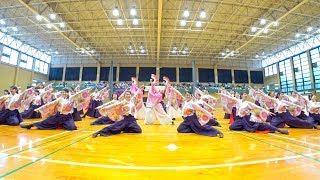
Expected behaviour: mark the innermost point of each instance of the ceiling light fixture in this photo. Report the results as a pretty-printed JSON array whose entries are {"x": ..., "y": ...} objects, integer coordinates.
[
  {"x": 253, "y": 29},
  {"x": 2, "y": 22},
  {"x": 275, "y": 23},
  {"x": 120, "y": 21},
  {"x": 14, "y": 29},
  {"x": 198, "y": 23},
  {"x": 297, "y": 35},
  {"x": 263, "y": 21},
  {"x": 39, "y": 18},
  {"x": 133, "y": 11},
  {"x": 53, "y": 16},
  {"x": 135, "y": 22},
  {"x": 265, "y": 31},
  {"x": 186, "y": 13},
  {"x": 115, "y": 12},
  {"x": 203, "y": 14},
  {"x": 183, "y": 22},
  {"x": 62, "y": 25}
]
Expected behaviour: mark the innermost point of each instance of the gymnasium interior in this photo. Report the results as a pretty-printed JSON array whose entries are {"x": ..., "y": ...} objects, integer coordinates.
[{"x": 214, "y": 45}]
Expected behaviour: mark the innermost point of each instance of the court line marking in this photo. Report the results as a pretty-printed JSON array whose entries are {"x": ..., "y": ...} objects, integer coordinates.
[
  {"x": 42, "y": 157},
  {"x": 274, "y": 145},
  {"x": 295, "y": 140},
  {"x": 18, "y": 146},
  {"x": 108, "y": 166}
]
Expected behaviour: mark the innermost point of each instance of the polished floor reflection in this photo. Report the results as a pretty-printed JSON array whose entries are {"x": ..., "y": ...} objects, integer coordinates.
[{"x": 158, "y": 153}]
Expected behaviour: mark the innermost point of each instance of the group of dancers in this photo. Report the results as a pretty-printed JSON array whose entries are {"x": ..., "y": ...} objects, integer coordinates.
[{"x": 62, "y": 109}]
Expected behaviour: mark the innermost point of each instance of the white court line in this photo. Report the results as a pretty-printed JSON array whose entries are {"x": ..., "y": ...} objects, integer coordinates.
[
  {"x": 295, "y": 140},
  {"x": 108, "y": 166},
  {"x": 15, "y": 147}
]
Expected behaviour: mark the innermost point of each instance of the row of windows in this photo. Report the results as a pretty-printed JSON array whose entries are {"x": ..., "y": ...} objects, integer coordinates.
[
  {"x": 270, "y": 70},
  {"x": 185, "y": 74},
  {"x": 11, "y": 56},
  {"x": 24, "y": 48},
  {"x": 297, "y": 71},
  {"x": 312, "y": 42}
]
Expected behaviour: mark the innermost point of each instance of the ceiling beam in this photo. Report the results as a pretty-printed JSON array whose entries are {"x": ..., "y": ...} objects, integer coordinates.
[
  {"x": 57, "y": 29},
  {"x": 159, "y": 29},
  {"x": 270, "y": 24}
]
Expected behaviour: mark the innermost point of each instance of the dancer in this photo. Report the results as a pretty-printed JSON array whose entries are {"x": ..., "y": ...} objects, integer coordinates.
[
  {"x": 58, "y": 113},
  {"x": 122, "y": 113},
  {"x": 195, "y": 119},
  {"x": 105, "y": 119},
  {"x": 252, "y": 118},
  {"x": 154, "y": 107},
  {"x": 9, "y": 115},
  {"x": 174, "y": 100}
]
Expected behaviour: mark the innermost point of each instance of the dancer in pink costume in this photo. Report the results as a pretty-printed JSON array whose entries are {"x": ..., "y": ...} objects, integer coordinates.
[
  {"x": 138, "y": 93},
  {"x": 154, "y": 108}
]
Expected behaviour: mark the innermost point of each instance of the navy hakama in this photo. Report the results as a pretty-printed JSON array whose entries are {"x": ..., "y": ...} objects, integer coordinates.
[
  {"x": 257, "y": 103},
  {"x": 102, "y": 120},
  {"x": 234, "y": 112},
  {"x": 271, "y": 116},
  {"x": 244, "y": 123},
  {"x": 56, "y": 121},
  {"x": 226, "y": 116},
  {"x": 291, "y": 121},
  {"x": 315, "y": 119},
  {"x": 8, "y": 117},
  {"x": 213, "y": 122},
  {"x": 76, "y": 115},
  {"x": 127, "y": 125},
  {"x": 192, "y": 125},
  {"x": 30, "y": 113},
  {"x": 92, "y": 111}
]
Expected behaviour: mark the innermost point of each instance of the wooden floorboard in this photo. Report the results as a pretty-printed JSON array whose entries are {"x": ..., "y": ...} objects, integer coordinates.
[{"x": 159, "y": 152}]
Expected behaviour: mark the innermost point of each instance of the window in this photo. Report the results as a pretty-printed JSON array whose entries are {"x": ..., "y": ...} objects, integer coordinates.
[
  {"x": 26, "y": 61},
  {"x": 9, "y": 55},
  {"x": 37, "y": 65},
  {"x": 40, "y": 66},
  {"x": 270, "y": 70},
  {"x": 293, "y": 50},
  {"x": 315, "y": 60},
  {"x": 301, "y": 72},
  {"x": 285, "y": 75}
]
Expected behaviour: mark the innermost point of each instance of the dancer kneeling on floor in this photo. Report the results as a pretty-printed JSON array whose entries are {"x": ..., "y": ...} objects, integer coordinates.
[
  {"x": 196, "y": 119},
  {"x": 123, "y": 114}
]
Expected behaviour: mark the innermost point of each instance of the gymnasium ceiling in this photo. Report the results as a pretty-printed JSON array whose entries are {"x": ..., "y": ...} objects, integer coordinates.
[{"x": 90, "y": 32}]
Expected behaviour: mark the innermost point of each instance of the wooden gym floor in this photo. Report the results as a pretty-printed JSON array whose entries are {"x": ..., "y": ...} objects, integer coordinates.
[{"x": 158, "y": 153}]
